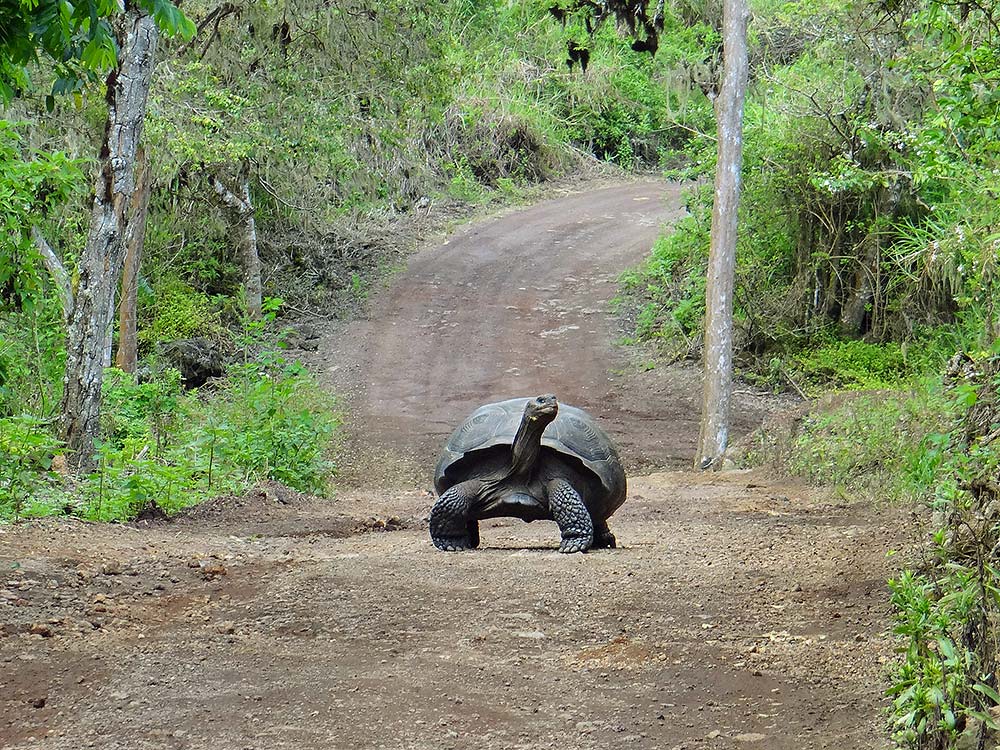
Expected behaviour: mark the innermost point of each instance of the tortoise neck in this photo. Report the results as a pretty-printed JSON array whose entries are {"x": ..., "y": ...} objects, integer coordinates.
[{"x": 527, "y": 443}]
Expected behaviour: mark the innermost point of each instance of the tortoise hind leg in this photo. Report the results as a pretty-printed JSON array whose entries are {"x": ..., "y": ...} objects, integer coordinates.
[
  {"x": 472, "y": 529},
  {"x": 569, "y": 511},
  {"x": 603, "y": 538},
  {"x": 452, "y": 526}
]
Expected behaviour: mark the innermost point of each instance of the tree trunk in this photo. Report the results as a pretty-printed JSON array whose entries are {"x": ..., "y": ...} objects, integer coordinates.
[
  {"x": 100, "y": 264},
  {"x": 722, "y": 255},
  {"x": 135, "y": 238},
  {"x": 240, "y": 207}
]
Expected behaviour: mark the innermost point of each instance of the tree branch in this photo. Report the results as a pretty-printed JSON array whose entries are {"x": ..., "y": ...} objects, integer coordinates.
[
  {"x": 57, "y": 270},
  {"x": 228, "y": 197}
]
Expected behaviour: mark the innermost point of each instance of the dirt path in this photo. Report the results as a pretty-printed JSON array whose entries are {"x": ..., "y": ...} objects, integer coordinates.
[
  {"x": 516, "y": 306},
  {"x": 740, "y": 612}
]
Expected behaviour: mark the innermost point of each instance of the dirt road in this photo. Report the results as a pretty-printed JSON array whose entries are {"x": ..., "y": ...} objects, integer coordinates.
[
  {"x": 739, "y": 612},
  {"x": 517, "y": 306}
]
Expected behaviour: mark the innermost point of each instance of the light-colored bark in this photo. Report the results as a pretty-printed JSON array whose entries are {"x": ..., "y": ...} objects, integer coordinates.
[
  {"x": 135, "y": 237},
  {"x": 58, "y": 272},
  {"x": 100, "y": 264},
  {"x": 718, "y": 350},
  {"x": 240, "y": 207}
]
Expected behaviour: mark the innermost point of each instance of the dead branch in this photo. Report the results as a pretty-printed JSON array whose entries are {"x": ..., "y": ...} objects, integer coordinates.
[{"x": 57, "y": 270}]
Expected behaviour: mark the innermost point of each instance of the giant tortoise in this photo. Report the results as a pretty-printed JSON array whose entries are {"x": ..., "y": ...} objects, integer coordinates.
[{"x": 532, "y": 459}]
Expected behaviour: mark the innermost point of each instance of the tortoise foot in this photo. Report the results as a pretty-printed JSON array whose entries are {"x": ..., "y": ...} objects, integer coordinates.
[
  {"x": 576, "y": 544},
  {"x": 572, "y": 516},
  {"x": 453, "y": 543},
  {"x": 451, "y": 527},
  {"x": 604, "y": 540}
]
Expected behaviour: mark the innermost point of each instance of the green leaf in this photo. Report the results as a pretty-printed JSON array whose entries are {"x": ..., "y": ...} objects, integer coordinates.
[{"x": 989, "y": 692}]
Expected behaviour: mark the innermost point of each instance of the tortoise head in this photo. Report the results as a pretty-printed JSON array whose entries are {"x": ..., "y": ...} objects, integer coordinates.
[{"x": 541, "y": 409}]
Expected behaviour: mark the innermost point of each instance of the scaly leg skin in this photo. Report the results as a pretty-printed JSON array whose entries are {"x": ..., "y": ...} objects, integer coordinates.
[
  {"x": 451, "y": 527},
  {"x": 603, "y": 538},
  {"x": 572, "y": 516}
]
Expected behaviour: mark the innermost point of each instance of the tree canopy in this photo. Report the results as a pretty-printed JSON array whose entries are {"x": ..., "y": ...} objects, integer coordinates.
[{"x": 75, "y": 41}]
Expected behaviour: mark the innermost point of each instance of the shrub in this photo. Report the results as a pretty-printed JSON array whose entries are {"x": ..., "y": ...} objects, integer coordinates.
[
  {"x": 882, "y": 443},
  {"x": 26, "y": 452},
  {"x": 178, "y": 311}
]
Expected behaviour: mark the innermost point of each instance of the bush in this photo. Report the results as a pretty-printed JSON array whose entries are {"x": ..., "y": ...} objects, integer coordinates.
[
  {"x": 883, "y": 443},
  {"x": 166, "y": 448},
  {"x": 26, "y": 452},
  {"x": 178, "y": 311}
]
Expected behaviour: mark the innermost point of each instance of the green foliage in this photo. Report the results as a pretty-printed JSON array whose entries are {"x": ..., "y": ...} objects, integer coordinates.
[
  {"x": 281, "y": 427},
  {"x": 77, "y": 39},
  {"x": 854, "y": 364},
  {"x": 948, "y": 615},
  {"x": 32, "y": 359},
  {"x": 26, "y": 451},
  {"x": 32, "y": 186},
  {"x": 882, "y": 444},
  {"x": 937, "y": 689},
  {"x": 669, "y": 288},
  {"x": 169, "y": 449},
  {"x": 175, "y": 310}
]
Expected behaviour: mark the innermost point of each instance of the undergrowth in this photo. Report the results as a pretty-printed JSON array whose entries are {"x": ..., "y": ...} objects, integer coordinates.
[
  {"x": 947, "y": 609},
  {"x": 881, "y": 444},
  {"x": 163, "y": 447}
]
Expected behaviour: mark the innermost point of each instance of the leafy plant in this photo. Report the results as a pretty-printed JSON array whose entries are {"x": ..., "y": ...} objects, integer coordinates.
[
  {"x": 26, "y": 452},
  {"x": 176, "y": 310}
]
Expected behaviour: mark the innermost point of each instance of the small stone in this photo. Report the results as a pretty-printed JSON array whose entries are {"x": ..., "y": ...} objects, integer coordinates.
[
  {"x": 112, "y": 568},
  {"x": 40, "y": 628},
  {"x": 713, "y": 734},
  {"x": 226, "y": 628},
  {"x": 211, "y": 569},
  {"x": 38, "y": 702},
  {"x": 750, "y": 737}
]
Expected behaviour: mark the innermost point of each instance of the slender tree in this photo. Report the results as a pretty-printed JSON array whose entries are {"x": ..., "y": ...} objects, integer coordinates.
[
  {"x": 238, "y": 204},
  {"x": 643, "y": 19},
  {"x": 84, "y": 40},
  {"x": 99, "y": 267},
  {"x": 718, "y": 349}
]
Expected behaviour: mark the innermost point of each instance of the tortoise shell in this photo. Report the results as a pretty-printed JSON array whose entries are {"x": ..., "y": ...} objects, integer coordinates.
[{"x": 573, "y": 434}]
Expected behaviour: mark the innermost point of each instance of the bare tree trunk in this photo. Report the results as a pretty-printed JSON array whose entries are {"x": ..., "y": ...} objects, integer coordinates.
[
  {"x": 100, "y": 264},
  {"x": 240, "y": 206},
  {"x": 722, "y": 255},
  {"x": 109, "y": 340},
  {"x": 135, "y": 238}
]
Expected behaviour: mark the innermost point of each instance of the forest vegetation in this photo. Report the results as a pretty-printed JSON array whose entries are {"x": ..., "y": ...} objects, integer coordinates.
[{"x": 867, "y": 259}]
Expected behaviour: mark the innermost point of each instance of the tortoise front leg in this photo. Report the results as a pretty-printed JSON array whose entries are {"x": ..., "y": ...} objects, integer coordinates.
[
  {"x": 571, "y": 514},
  {"x": 452, "y": 525}
]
